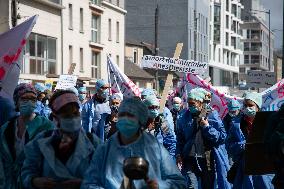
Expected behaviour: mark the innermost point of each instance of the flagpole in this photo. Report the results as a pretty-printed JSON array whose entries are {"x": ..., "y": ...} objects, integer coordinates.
[{"x": 108, "y": 59}]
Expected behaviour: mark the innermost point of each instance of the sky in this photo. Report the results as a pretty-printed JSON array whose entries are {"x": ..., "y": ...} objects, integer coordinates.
[{"x": 276, "y": 8}]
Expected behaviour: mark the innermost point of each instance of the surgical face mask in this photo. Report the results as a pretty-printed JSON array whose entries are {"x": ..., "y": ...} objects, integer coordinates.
[
  {"x": 127, "y": 127},
  {"x": 176, "y": 107},
  {"x": 70, "y": 124},
  {"x": 27, "y": 107},
  {"x": 82, "y": 97},
  {"x": 233, "y": 114},
  {"x": 193, "y": 109},
  {"x": 114, "y": 109},
  {"x": 153, "y": 113},
  {"x": 104, "y": 93},
  {"x": 250, "y": 111}
]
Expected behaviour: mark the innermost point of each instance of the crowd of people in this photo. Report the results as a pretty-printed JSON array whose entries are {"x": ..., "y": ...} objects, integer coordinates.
[{"x": 68, "y": 139}]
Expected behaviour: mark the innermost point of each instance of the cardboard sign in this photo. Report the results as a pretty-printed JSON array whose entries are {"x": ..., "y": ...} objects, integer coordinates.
[
  {"x": 173, "y": 64},
  {"x": 260, "y": 79},
  {"x": 66, "y": 82}
]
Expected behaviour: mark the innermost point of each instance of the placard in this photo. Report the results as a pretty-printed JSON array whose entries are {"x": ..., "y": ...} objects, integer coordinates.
[
  {"x": 66, "y": 82},
  {"x": 260, "y": 79}
]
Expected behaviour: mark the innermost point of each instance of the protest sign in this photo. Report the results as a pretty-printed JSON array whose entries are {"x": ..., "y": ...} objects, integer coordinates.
[
  {"x": 49, "y": 84},
  {"x": 66, "y": 82},
  {"x": 120, "y": 83},
  {"x": 173, "y": 64},
  {"x": 11, "y": 45},
  {"x": 260, "y": 79}
]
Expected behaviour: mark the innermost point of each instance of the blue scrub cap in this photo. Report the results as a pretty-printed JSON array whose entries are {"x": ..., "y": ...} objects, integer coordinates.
[
  {"x": 148, "y": 92},
  {"x": 136, "y": 107},
  {"x": 118, "y": 96},
  {"x": 234, "y": 105},
  {"x": 255, "y": 97},
  {"x": 151, "y": 101},
  {"x": 82, "y": 89},
  {"x": 100, "y": 83},
  {"x": 196, "y": 94}
]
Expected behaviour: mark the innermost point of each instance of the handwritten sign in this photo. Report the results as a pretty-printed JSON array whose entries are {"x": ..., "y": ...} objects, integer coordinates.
[
  {"x": 173, "y": 64},
  {"x": 120, "y": 83},
  {"x": 66, "y": 82},
  {"x": 260, "y": 79}
]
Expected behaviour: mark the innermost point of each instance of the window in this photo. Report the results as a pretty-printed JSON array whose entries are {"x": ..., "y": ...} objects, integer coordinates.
[
  {"x": 135, "y": 56},
  {"x": 96, "y": 2},
  {"x": 227, "y": 5},
  {"x": 234, "y": 10},
  {"x": 55, "y": 1},
  {"x": 117, "y": 32},
  {"x": 81, "y": 60},
  {"x": 109, "y": 29},
  {"x": 242, "y": 70},
  {"x": 227, "y": 21},
  {"x": 233, "y": 42},
  {"x": 248, "y": 34},
  {"x": 40, "y": 55},
  {"x": 255, "y": 59},
  {"x": 246, "y": 59},
  {"x": 117, "y": 60},
  {"x": 227, "y": 38},
  {"x": 81, "y": 20},
  {"x": 70, "y": 54},
  {"x": 70, "y": 16},
  {"x": 95, "y": 73},
  {"x": 246, "y": 46},
  {"x": 95, "y": 29},
  {"x": 117, "y": 3}
]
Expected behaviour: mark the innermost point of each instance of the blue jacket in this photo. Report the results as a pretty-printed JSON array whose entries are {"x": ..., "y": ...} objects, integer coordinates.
[
  {"x": 42, "y": 109},
  {"x": 91, "y": 114},
  {"x": 12, "y": 163},
  {"x": 7, "y": 110},
  {"x": 41, "y": 160},
  {"x": 106, "y": 171},
  {"x": 235, "y": 144},
  {"x": 214, "y": 135}
]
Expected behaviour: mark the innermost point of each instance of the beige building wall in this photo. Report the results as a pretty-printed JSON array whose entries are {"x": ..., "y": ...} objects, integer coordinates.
[{"x": 130, "y": 51}]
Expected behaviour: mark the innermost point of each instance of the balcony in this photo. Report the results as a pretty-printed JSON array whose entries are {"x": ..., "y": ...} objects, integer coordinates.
[
  {"x": 52, "y": 3},
  {"x": 96, "y": 6}
]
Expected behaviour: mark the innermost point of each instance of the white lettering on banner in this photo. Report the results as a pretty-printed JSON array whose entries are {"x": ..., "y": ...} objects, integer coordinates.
[
  {"x": 120, "y": 83},
  {"x": 173, "y": 64},
  {"x": 272, "y": 98},
  {"x": 66, "y": 82},
  {"x": 260, "y": 79}
]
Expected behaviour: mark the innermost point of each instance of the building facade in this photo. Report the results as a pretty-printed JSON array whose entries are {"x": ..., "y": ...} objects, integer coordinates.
[
  {"x": 70, "y": 31},
  {"x": 180, "y": 22},
  {"x": 225, "y": 48},
  {"x": 256, "y": 39}
]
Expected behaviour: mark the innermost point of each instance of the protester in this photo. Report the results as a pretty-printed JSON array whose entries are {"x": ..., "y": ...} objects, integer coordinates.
[
  {"x": 7, "y": 110},
  {"x": 17, "y": 132},
  {"x": 147, "y": 92},
  {"x": 176, "y": 108},
  {"x": 59, "y": 158},
  {"x": 82, "y": 96},
  {"x": 274, "y": 140},
  {"x": 106, "y": 166},
  {"x": 94, "y": 108},
  {"x": 115, "y": 101},
  {"x": 234, "y": 108},
  {"x": 200, "y": 150},
  {"x": 159, "y": 127},
  {"x": 238, "y": 133},
  {"x": 39, "y": 105}
]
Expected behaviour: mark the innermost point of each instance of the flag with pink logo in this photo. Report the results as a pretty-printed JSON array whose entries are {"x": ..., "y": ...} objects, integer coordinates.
[{"x": 11, "y": 46}]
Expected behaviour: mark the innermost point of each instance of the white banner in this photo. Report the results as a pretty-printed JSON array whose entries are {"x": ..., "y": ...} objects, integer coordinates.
[
  {"x": 66, "y": 82},
  {"x": 173, "y": 64},
  {"x": 272, "y": 98},
  {"x": 260, "y": 79},
  {"x": 120, "y": 83},
  {"x": 11, "y": 45}
]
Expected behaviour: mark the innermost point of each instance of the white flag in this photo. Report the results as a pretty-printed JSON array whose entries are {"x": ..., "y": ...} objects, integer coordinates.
[
  {"x": 11, "y": 45},
  {"x": 120, "y": 83}
]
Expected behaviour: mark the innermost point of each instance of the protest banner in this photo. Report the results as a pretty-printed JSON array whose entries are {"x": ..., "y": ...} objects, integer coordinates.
[
  {"x": 11, "y": 45},
  {"x": 173, "y": 64},
  {"x": 260, "y": 79},
  {"x": 49, "y": 84},
  {"x": 120, "y": 83},
  {"x": 66, "y": 82}
]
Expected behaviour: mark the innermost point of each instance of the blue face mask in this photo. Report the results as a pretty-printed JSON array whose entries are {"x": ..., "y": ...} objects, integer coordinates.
[
  {"x": 193, "y": 109},
  {"x": 27, "y": 108},
  {"x": 127, "y": 127},
  {"x": 176, "y": 107},
  {"x": 249, "y": 111},
  {"x": 82, "y": 97},
  {"x": 232, "y": 114},
  {"x": 104, "y": 93},
  {"x": 70, "y": 124},
  {"x": 153, "y": 113}
]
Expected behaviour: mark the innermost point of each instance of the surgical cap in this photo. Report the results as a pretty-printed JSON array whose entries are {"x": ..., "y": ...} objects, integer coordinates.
[
  {"x": 196, "y": 94},
  {"x": 82, "y": 89},
  {"x": 234, "y": 105},
  {"x": 136, "y": 107},
  {"x": 151, "y": 101},
  {"x": 21, "y": 89},
  {"x": 100, "y": 83},
  {"x": 40, "y": 87},
  {"x": 148, "y": 92},
  {"x": 177, "y": 99},
  {"x": 117, "y": 96},
  {"x": 255, "y": 97},
  {"x": 74, "y": 90}
]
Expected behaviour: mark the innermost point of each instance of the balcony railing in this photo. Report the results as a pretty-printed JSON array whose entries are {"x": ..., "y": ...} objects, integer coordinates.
[
  {"x": 96, "y": 2},
  {"x": 55, "y": 1}
]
